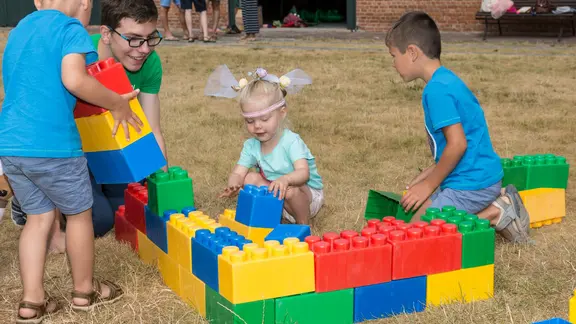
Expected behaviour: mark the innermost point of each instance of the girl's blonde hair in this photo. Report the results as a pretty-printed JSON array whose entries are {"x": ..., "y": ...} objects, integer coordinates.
[{"x": 272, "y": 91}]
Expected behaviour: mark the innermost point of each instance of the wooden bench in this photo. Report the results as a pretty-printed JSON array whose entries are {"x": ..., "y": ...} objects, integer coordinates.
[{"x": 508, "y": 18}]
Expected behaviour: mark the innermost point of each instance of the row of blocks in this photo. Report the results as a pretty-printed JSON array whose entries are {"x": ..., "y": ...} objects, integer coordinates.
[{"x": 114, "y": 159}]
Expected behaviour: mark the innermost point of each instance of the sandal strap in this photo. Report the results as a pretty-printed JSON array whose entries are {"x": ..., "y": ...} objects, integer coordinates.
[
  {"x": 41, "y": 308},
  {"x": 96, "y": 294},
  {"x": 115, "y": 290},
  {"x": 38, "y": 307}
]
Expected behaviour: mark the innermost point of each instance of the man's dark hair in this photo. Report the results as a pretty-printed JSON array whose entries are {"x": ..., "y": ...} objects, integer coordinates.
[
  {"x": 415, "y": 28},
  {"x": 142, "y": 11}
]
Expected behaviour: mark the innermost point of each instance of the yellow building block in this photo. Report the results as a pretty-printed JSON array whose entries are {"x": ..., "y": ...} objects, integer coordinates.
[
  {"x": 545, "y": 205},
  {"x": 464, "y": 285},
  {"x": 271, "y": 271},
  {"x": 170, "y": 272},
  {"x": 96, "y": 131},
  {"x": 179, "y": 231},
  {"x": 147, "y": 250},
  {"x": 193, "y": 291},
  {"x": 255, "y": 234}
]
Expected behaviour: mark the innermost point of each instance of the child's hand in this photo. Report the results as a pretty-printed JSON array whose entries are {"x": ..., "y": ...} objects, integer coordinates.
[
  {"x": 279, "y": 187},
  {"x": 230, "y": 191},
  {"x": 416, "y": 195},
  {"x": 122, "y": 114}
]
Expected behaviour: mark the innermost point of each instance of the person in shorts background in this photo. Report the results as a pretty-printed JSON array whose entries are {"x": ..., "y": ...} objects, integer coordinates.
[{"x": 164, "y": 9}]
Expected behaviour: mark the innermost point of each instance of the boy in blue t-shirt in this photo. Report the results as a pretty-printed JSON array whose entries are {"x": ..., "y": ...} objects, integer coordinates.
[
  {"x": 43, "y": 71},
  {"x": 467, "y": 172}
]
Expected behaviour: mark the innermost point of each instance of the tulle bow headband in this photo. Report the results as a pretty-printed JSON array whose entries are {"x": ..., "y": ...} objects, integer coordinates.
[{"x": 222, "y": 83}]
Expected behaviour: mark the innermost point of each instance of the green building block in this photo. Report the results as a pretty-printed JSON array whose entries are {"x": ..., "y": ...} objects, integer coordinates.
[
  {"x": 170, "y": 190},
  {"x": 514, "y": 172},
  {"x": 382, "y": 203},
  {"x": 313, "y": 308},
  {"x": 546, "y": 171},
  {"x": 220, "y": 311}
]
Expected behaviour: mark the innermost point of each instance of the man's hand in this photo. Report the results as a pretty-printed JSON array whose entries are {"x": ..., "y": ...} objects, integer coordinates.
[
  {"x": 123, "y": 114},
  {"x": 230, "y": 191},
  {"x": 416, "y": 195},
  {"x": 279, "y": 187}
]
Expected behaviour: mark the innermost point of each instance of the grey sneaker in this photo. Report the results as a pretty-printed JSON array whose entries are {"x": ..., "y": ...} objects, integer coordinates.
[
  {"x": 519, "y": 206},
  {"x": 510, "y": 225}
]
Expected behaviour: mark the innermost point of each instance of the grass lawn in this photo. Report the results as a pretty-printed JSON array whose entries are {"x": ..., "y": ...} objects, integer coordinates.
[{"x": 365, "y": 127}]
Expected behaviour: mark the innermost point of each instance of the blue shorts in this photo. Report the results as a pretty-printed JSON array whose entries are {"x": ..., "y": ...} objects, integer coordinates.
[
  {"x": 43, "y": 184},
  {"x": 472, "y": 201},
  {"x": 166, "y": 3}
]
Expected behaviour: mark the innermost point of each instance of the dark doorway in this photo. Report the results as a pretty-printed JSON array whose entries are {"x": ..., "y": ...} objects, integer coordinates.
[{"x": 12, "y": 11}]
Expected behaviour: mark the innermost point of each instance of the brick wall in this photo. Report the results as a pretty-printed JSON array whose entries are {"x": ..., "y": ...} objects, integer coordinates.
[
  {"x": 173, "y": 16},
  {"x": 451, "y": 15}
]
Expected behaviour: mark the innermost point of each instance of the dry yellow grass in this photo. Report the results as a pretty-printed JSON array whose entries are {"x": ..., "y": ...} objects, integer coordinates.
[{"x": 365, "y": 128}]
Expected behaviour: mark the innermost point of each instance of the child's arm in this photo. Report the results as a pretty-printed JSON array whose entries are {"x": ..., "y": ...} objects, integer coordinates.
[
  {"x": 82, "y": 85},
  {"x": 423, "y": 175},
  {"x": 235, "y": 181},
  {"x": 455, "y": 147},
  {"x": 296, "y": 178}
]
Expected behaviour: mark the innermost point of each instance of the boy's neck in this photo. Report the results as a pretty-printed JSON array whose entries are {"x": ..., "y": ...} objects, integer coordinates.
[
  {"x": 64, "y": 7},
  {"x": 429, "y": 68}
]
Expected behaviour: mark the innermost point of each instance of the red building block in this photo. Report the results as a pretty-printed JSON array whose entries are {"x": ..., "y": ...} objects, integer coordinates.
[
  {"x": 420, "y": 249},
  {"x": 113, "y": 76},
  {"x": 135, "y": 198},
  {"x": 349, "y": 260},
  {"x": 124, "y": 231}
]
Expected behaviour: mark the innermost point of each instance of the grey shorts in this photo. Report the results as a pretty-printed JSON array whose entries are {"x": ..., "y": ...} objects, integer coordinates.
[
  {"x": 472, "y": 201},
  {"x": 43, "y": 184}
]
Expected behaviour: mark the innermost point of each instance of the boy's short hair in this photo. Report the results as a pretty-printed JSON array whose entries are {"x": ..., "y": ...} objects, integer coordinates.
[
  {"x": 416, "y": 28},
  {"x": 142, "y": 11}
]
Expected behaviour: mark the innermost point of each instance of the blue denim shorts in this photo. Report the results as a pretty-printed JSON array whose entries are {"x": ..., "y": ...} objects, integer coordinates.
[
  {"x": 166, "y": 3},
  {"x": 472, "y": 201},
  {"x": 43, "y": 184}
]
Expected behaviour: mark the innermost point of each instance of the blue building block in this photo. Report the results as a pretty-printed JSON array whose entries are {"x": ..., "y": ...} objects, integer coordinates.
[
  {"x": 187, "y": 210},
  {"x": 206, "y": 247},
  {"x": 258, "y": 208},
  {"x": 130, "y": 164},
  {"x": 156, "y": 227},
  {"x": 389, "y": 299},
  {"x": 283, "y": 231},
  {"x": 555, "y": 320}
]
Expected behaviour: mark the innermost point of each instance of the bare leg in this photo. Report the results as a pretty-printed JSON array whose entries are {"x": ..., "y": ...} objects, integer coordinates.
[
  {"x": 204, "y": 24},
  {"x": 184, "y": 24},
  {"x": 188, "y": 14},
  {"x": 32, "y": 254},
  {"x": 216, "y": 15},
  {"x": 80, "y": 247},
  {"x": 297, "y": 203},
  {"x": 164, "y": 19}
]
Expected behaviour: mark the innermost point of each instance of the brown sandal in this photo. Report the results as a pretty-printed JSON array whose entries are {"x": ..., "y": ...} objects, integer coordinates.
[
  {"x": 43, "y": 310},
  {"x": 95, "y": 298}
]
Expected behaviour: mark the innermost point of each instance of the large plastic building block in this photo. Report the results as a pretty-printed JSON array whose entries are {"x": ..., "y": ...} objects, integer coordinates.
[
  {"x": 179, "y": 241},
  {"x": 170, "y": 190},
  {"x": 312, "y": 308},
  {"x": 170, "y": 272},
  {"x": 283, "y": 231},
  {"x": 464, "y": 285},
  {"x": 389, "y": 299},
  {"x": 572, "y": 308},
  {"x": 221, "y": 311},
  {"x": 546, "y": 171},
  {"x": 147, "y": 250},
  {"x": 205, "y": 250},
  {"x": 254, "y": 273},
  {"x": 349, "y": 260},
  {"x": 258, "y": 208},
  {"x": 113, "y": 76},
  {"x": 478, "y": 238},
  {"x": 254, "y": 234},
  {"x": 156, "y": 227},
  {"x": 419, "y": 248},
  {"x": 545, "y": 206},
  {"x": 123, "y": 230},
  {"x": 515, "y": 172},
  {"x": 382, "y": 203},
  {"x": 130, "y": 164},
  {"x": 555, "y": 320},
  {"x": 193, "y": 291},
  {"x": 135, "y": 198},
  {"x": 96, "y": 131}
]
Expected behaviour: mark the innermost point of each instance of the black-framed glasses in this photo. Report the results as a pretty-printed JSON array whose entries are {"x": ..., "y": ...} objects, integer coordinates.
[{"x": 136, "y": 42}]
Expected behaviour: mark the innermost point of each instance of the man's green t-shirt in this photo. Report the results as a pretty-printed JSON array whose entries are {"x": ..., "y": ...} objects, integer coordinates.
[{"x": 149, "y": 78}]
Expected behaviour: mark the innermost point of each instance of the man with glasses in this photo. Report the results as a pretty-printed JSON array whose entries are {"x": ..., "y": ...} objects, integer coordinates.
[{"x": 128, "y": 33}]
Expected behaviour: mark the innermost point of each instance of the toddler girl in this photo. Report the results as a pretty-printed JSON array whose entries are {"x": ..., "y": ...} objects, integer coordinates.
[{"x": 281, "y": 158}]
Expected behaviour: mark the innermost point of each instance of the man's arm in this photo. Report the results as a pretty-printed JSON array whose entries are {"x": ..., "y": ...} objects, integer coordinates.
[{"x": 151, "y": 106}]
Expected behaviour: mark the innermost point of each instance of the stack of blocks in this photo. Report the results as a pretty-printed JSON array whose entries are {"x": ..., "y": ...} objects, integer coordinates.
[
  {"x": 249, "y": 268},
  {"x": 541, "y": 181},
  {"x": 114, "y": 159}
]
